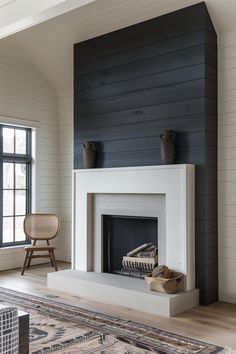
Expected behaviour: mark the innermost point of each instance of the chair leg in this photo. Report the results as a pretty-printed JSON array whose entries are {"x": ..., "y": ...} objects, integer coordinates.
[
  {"x": 25, "y": 262},
  {"x": 30, "y": 255},
  {"x": 29, "y": 259},
  {"x": 54, "y": 260},
  {"x": 51, "y": 259}
]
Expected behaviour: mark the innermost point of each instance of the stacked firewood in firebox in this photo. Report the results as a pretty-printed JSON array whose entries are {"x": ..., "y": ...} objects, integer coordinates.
[{"x": 144, "y": 258}]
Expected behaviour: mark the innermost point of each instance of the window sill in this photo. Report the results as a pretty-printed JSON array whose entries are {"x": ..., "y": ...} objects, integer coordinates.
[{"x": 12, "y": 249}]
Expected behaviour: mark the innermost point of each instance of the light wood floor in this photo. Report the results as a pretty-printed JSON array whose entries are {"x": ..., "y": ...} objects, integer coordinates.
[{"x": 215, "y": 323}]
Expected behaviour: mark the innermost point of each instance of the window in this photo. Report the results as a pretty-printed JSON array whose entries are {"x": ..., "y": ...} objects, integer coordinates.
[{"x": 15, "y": 182}]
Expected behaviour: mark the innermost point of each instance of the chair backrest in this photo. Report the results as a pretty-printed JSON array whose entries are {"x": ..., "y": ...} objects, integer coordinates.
[{"x": 41, "y": 226}]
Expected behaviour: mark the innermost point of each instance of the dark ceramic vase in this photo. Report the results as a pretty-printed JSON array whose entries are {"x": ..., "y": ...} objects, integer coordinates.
[
  {"x": 168, "y": 147},
  {"x": 89, "y": 154}
]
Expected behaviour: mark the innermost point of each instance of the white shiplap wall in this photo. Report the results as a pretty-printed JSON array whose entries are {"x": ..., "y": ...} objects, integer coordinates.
[
  {"x": 65, "y": 173},
  {"x": 26, "y": 95},
  {"x": 227, "y": 166}
]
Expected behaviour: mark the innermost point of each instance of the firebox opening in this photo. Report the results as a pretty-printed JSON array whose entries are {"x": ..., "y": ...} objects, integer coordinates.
[{"x": 122, "y": 234}]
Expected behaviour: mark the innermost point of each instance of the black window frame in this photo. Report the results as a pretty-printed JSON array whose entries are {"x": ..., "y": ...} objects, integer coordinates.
[{"x": 16, "y": 158}]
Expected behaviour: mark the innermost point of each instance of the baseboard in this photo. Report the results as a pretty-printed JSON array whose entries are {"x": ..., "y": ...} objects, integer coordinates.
[
  {"x": 12, "y": 258},
  {"x": 63, "y": 256},
  {"x": 227, "y": 297}
]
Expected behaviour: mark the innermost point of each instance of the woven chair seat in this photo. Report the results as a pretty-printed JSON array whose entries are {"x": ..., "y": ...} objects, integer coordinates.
[{"x": 39, "y": 248}]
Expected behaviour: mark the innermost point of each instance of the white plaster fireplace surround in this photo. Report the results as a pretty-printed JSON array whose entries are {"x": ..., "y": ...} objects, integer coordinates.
[
  {"x": 166, "y": 192},
  {"x": 175, "y": 182}
]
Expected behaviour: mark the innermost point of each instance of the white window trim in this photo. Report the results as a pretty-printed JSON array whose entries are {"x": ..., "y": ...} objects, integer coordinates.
[{"x": 34, "y": 125}]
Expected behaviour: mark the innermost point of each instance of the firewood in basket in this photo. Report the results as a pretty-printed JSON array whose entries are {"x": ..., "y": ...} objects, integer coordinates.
[
  {"x": 139, "y": 249},
  {"x": 161, "y": 271}
]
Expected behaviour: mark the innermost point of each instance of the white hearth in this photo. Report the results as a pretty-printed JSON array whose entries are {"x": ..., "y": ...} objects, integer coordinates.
[{"x": 165, "y": 192}]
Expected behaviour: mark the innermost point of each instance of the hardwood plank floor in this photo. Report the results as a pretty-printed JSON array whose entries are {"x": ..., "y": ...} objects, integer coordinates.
[{"x": 215, "y": 323}]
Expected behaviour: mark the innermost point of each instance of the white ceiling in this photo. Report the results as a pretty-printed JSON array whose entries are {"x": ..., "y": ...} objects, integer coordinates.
[
  {"x": 5, "y": 2},
  {"x": 50, "y": 44},
  {"x": 17, "y": 15}
]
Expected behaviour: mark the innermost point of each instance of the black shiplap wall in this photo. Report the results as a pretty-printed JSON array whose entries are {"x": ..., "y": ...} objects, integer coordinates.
[{"x": 131, "y": 84}]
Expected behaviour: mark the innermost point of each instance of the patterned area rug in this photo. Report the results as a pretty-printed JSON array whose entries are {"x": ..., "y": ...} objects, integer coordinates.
[{"x": 56, "y": 327}]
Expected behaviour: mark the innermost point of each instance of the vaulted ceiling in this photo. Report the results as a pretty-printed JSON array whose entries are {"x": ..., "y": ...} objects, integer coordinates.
[{"x": 50, "y": 44}]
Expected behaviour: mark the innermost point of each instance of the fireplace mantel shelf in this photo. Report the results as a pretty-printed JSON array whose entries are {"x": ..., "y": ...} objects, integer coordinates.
[{"x": 131, "y": 168}]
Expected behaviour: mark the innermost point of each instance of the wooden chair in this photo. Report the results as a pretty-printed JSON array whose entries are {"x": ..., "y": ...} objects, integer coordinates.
[{"x": 40, "y": 227}]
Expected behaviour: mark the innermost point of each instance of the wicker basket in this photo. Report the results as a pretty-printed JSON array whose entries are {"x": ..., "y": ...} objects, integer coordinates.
[{"x": 163, "y": 285}]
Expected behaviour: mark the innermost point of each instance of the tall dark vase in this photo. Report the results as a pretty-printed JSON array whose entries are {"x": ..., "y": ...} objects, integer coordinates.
[
  {"x": 89, "y": 154},
  {"x": 168, "y": 147}
]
